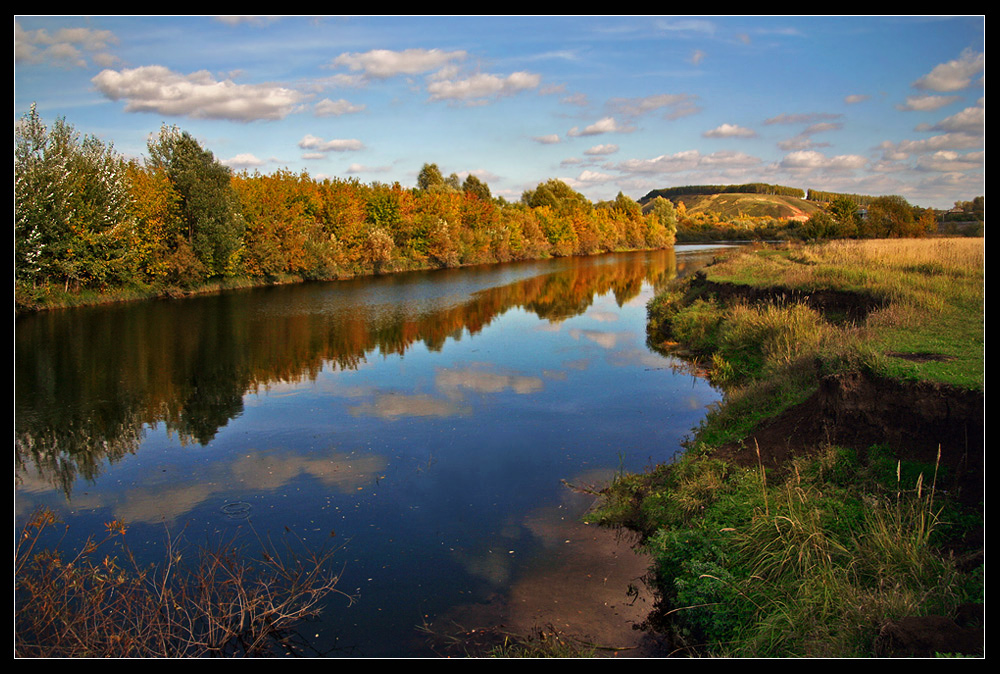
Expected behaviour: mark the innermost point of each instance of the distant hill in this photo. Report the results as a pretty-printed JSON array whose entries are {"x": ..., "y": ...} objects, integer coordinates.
[{"x": 733, "y": 205}]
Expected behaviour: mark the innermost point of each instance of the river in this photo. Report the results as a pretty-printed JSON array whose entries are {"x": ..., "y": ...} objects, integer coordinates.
[{"x": 426, "y": 423}]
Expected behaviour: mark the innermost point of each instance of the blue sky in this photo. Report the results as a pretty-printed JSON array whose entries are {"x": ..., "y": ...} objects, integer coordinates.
[{"x": 865, "y": 104}]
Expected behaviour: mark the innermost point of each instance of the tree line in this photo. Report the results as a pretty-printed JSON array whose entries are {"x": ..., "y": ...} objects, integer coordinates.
[
  {"x": 746, "y": 188},
  {"x": 89, "y": 219}
]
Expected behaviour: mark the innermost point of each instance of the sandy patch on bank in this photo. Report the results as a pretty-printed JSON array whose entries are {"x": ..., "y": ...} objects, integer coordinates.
[{"x": 586, "y": 588}]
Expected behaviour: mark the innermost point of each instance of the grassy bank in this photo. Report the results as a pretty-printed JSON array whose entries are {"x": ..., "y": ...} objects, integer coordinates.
[{"x": 829, "y": 506}]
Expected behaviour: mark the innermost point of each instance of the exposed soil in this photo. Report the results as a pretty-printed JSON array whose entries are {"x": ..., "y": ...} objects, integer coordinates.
[
  {"x": 836, "y": 305},
  {"x": 915, "y": 420}
]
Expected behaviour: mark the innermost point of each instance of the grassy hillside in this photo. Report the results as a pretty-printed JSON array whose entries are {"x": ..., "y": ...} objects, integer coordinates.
[{"x": 732, "y": 206}]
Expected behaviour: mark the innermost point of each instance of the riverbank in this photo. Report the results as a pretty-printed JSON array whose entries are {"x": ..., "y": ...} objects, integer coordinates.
[
  {"x": 44, "y": 298},
  {"x": 832, "y": 505}
]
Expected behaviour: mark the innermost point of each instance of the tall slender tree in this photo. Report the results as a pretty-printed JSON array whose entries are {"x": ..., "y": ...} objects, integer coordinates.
[{"x": 207, "y": 199}]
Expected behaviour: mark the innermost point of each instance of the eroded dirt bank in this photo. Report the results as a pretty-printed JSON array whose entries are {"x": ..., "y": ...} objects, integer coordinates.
[{"x": 913, "y": 419}]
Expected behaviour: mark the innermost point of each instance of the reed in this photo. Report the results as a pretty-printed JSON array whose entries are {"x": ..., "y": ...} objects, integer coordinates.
[{"x": 99, "y": 601}]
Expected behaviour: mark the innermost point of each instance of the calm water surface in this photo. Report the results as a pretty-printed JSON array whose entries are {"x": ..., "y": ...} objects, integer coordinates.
[{"x": 417, "y": 420}]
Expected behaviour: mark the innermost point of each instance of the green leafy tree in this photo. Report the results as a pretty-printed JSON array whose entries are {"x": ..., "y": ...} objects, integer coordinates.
[
  {"x": 844, "y": 210},
  {"x": 207, "y": 200},
  {"x": 555, "y": 194},
  {"x": 476, "y": 187},
  {"x": 42, "y": 189},
  {"x": 72, "y": 207},
  {"x": 430, "y": 177},
  {"x": 664, "y": 211}
]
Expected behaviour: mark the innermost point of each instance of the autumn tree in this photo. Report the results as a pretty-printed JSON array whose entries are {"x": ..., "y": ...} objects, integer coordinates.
[{"x": 889, "y": 216}]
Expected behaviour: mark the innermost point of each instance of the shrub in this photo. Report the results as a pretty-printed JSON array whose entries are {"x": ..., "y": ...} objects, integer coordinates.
[{"x": 100, "y": 602}]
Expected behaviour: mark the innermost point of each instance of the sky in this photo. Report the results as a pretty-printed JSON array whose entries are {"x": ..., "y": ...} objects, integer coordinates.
[{"x": 618, "y": 103}]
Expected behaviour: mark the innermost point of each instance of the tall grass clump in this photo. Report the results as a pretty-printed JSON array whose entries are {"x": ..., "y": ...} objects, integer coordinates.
[{"x": 808, "y": 564}]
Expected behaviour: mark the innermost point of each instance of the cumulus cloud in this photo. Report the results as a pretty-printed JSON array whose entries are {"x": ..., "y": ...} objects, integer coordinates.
[
  {"x": 328, "y": 108},
  {"x": 64, "y": 47},
  {"x": 310, "y": 142},
  {"x": 385, "y": 63},
  {"x": 729, "y": 131},
  {"x": 198, "y": 95},
  {"x": 605, "y": 125},
  {"x": 953, "y": 75},
  {"x": 812, "y": 160},
  {"x": 244, "y": 160},
  {"x": 946, "y": 161},
  {"x": 481, "y": 86},
  {"x": 592, "y": 177},
  {"x": 550, "y": 139},
  {"x": 971, "y": 120},
  {"x": 688, "y": 160},
  {"x": 944, "y": 141},
  {"x": 856, "y": 98},
  {"x": 925, "y": 103}
]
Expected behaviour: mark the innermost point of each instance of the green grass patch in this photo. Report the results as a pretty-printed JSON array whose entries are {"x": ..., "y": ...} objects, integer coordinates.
[{"x": 805, "y": 564}]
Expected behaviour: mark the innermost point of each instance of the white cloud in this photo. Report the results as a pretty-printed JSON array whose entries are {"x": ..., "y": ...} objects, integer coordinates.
[
  {"x": 730, "y": 131},
  {"x": 198, "y": 95},
  {"x": 310, "y": 142},
  {"x": 605, "y": 125},
  {"x": 688, "y": 160},
  {"x": 947, "y": 161},
  {"x": 856, "y": 98},
  {"x": 945, "y": 141},
  {"x": 810, "y": 160},
  {"x": 328, "y": 108},
  {"x": 599, "y": 150},
  {"x": 953, "y": 75},
  {"x": 64, "y": 47},
  {"x": 482, "y": 86},
  {"x": 592, "y": 177},
  {"x": 245, "y": 160},
  {"x": 550, "y": 139},
  {"x": 927, "y": 102},
  {"x": 971, "y": 120},
  {"x": 384, "y": 63}
]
